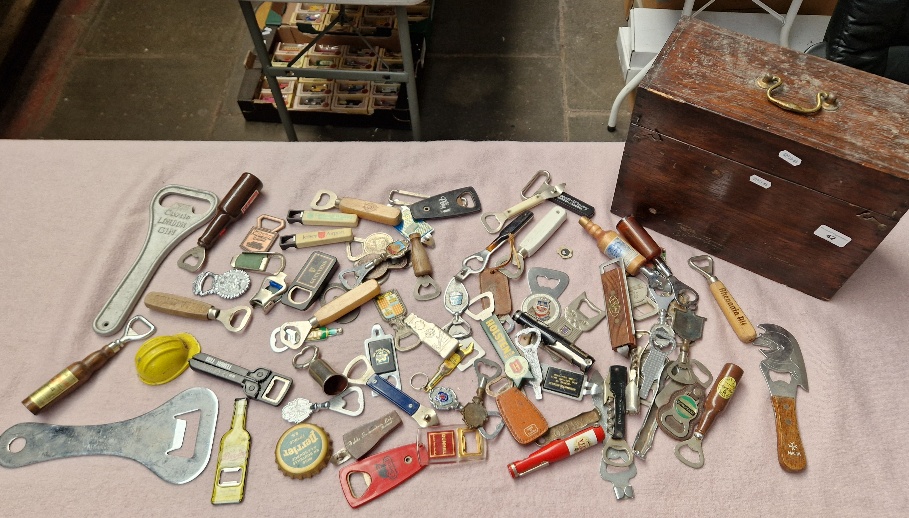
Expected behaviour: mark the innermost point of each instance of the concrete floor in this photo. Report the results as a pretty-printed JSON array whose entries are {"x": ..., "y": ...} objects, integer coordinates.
[{"x": 528, "y": 70}]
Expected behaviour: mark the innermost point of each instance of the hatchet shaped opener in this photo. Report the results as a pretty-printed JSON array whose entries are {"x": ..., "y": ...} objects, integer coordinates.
[{"x": 782, "y": 355}]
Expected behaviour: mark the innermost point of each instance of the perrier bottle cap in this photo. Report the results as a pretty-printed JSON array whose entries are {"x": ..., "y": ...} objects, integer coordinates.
[{"x": 303, "y": 451}]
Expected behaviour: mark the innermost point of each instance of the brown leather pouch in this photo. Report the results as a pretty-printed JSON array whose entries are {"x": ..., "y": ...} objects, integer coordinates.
[{"x": 522, "y": 418}]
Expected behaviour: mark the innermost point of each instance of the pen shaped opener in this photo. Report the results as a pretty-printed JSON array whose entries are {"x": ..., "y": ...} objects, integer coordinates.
[
  {"x": 235, "y": 203},
  {"x": 196, "y": 309},
  {"x": 544, "y": 193},
  {"x": 260, "y": 384}
]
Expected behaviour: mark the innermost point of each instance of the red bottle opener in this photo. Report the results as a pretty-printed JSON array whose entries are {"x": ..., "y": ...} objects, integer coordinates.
[{"x": 383, "y": 472}]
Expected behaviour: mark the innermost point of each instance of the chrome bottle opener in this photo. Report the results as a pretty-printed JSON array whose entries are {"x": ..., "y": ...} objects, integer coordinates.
[
  {"x": 260, "y": 384},
  {"x": 564, "y": 200},
  {"x": 168, "y": 226},
  {"x": 148, "y": 439},
  {"x": 545, "y": 192},
  {"x": 299, "y": 410}
]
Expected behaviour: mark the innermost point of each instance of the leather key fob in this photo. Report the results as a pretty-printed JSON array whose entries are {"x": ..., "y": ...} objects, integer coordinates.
[{"x": 522, "y": 418}]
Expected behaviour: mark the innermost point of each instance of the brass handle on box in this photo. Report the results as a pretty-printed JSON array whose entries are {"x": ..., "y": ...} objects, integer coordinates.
[{"x": 771, "y": 82}]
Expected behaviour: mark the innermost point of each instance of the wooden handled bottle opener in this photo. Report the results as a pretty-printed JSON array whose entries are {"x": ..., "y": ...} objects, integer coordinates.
[
  {"x": 196, "y": 309},
  {"x": 731, "y": 309},
  {"x": 715, "y": 403}
]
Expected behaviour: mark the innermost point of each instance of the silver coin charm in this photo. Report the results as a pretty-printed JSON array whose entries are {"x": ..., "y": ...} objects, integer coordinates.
[{"x": 228, "y": 285}]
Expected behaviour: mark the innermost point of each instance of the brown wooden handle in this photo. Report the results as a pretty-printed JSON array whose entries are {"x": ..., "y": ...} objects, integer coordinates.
[
  {"x": 719, "y": 395},
  {"x": 789, "y": 448},
  {"x": 733, "y": 313},
  {"x": 177, "y": 305},
  {"x": 618, "y": 307},
  {"x": 371, "y": 211},
  {"x": 419, "y": 257},
  {"x": 347, "y": 302}
]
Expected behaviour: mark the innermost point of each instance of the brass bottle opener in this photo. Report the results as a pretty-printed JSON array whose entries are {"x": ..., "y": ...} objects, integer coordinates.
[{"x": 232, "y": 458}]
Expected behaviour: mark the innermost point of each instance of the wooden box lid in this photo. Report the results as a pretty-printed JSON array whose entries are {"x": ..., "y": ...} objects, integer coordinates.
[{"x": 702, "y": 90}]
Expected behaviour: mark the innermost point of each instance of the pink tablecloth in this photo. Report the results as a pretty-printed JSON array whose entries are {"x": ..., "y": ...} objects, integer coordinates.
[{"x": 76, "y": 215}]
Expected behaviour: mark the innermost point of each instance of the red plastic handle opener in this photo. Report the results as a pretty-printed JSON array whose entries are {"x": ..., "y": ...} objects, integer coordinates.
[{"x": 383, "y": 472}]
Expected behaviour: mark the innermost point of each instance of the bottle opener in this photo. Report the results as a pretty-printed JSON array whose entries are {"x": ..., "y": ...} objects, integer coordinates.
[
  {"x": 515, "y": 365},
  {"x": 229, "y": 285},
  {"x": 260, "y": 238},
  {"x": 148, "y": 439},
  {"x": 233, "y": 457},
  {"x": 618, "y": 441},
  {"x": 374, "y": 243},
  {"x": 362, "y": 439},
  {"x": 563, "y": 200},
  {"x": 618, "y": 306},
  {"x": 299, "y": 410},
  {"x": 322, "y": 219},
  {"x": 383, "y": 472},
  {"x": 533, "y": 280},
  {"x": 329, "y": 313},
  {"x": 273, "y": 287},
  {"x": 432, "y": 335},
  {"x": 496, "y": 282},
  {"x": 392, "y": 309},
  {"x": 546, "y": 192},
  {"x": 168, "y": 226},
  {"x": 306, "y": 287},
  {"x": 316, "y": 238},
  {"x": 726, "y": 383},
  {"x": 534, "y": 240},
  {"x": 459, "y": 202},
  {"x": 382, "y": 356},
  {"x": 198, "y": 310},
  {"x": 260, "y": 384},
  {"x": 235, "y": 203},
  {"x": 557, "y": 343},
  {"x": 257, "y": 261},
  {"x": 365, "y": 209},
  {"x": 422, "y": 415},
  {"x": 523, "y": 420},
  {"x": 572, "y": 322},
  {"x": 482, "y": 257}
]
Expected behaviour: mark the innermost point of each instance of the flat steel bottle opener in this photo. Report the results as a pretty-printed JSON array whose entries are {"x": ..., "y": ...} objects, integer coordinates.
[
  {"x": 483, "y": 256},
  {"x": 168, "y": 226},
  {"x": 458, "y": 202},
  {"x": 148, "y": 439}
]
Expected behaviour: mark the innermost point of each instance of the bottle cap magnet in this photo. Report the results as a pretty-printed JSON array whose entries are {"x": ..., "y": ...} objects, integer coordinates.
[{"x": 303, "y": 451}]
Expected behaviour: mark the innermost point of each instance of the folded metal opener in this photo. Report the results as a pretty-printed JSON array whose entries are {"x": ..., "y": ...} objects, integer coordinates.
[{"x": 259, "y": 384}]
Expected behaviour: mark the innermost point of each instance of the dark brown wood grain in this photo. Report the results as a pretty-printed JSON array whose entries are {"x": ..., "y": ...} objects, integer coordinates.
[{"x": 704, "y": 137}]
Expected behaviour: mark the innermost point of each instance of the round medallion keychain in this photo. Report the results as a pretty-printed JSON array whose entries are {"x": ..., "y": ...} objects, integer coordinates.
[{"x": 228, "y": 285}]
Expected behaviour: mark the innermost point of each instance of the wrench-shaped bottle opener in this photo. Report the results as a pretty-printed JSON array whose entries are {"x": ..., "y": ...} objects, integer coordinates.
[{"x": 168, "y": 226}]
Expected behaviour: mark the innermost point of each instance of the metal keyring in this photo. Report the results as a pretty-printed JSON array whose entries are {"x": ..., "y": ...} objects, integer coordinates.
[
  {"x": 274, "y": 341},
  {"x": 414, "y": 376},
  {"x": 303, "y": 349}
]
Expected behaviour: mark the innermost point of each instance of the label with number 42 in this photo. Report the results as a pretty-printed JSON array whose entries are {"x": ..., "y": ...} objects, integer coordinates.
[{"x": 828, "y": 234}]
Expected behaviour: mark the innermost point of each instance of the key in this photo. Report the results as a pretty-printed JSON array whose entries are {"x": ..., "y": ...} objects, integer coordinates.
[{"x": 533, "y": 360}]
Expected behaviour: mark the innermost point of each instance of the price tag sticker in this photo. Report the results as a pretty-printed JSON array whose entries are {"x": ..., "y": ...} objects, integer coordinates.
[
  {"x": 757, "y": 180},
  {"x": 828, "y": 234},
  {"x": 789, "y": 157}
]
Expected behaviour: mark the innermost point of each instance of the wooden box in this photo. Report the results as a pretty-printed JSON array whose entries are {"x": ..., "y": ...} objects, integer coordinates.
[{"x": 802, "y": 199}]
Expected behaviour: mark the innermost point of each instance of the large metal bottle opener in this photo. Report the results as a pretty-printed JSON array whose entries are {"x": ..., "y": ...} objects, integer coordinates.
[
  {"x": 148, "y": 439},
  {"x": 168, "y": 226}
]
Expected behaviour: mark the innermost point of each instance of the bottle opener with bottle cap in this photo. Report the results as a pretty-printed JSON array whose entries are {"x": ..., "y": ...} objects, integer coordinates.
[
  {"x": 260, "y": 384},
  {"x": 235, "y": 203},
  {"x": 168, "y": 227}
]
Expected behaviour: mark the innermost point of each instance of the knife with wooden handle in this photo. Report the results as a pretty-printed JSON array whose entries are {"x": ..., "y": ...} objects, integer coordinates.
[{"x": 783, "y": 355}]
